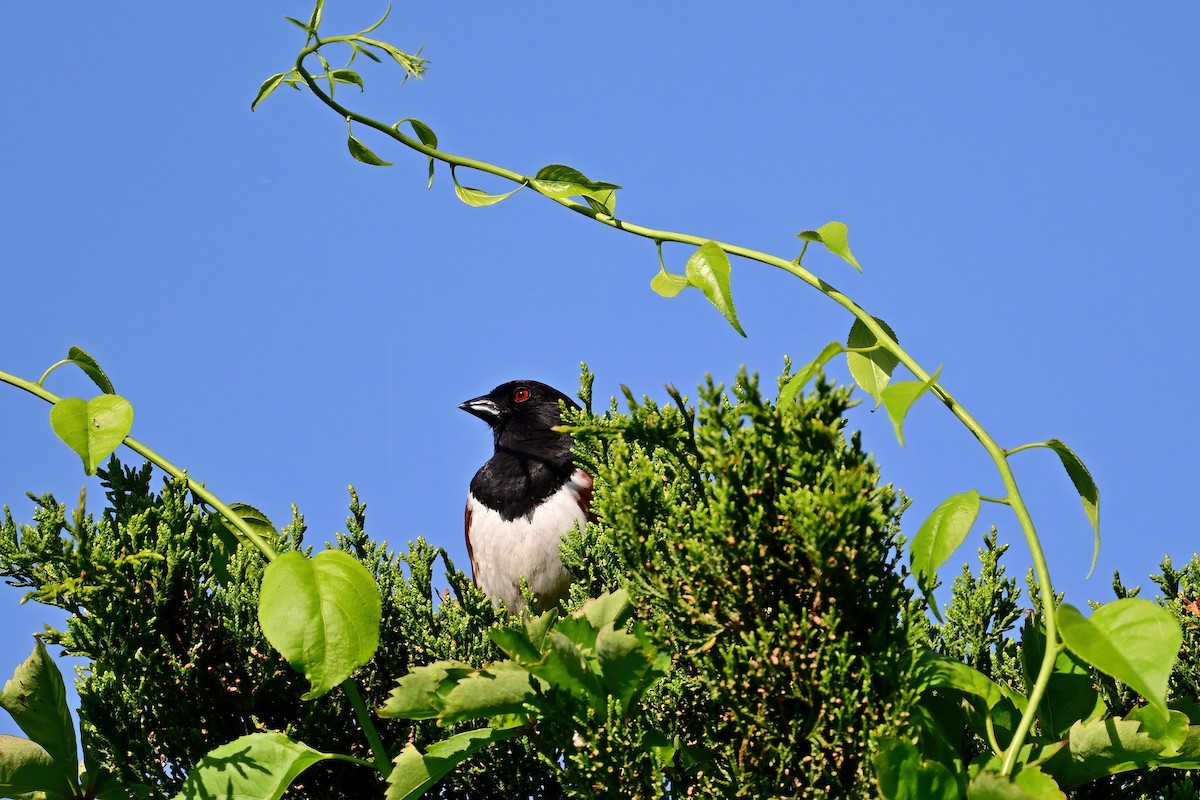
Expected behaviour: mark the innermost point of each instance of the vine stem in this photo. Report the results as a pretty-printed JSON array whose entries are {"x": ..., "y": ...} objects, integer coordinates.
[
  {"x": 382, "y": 761},
  {"x": 997, "y": 454}
]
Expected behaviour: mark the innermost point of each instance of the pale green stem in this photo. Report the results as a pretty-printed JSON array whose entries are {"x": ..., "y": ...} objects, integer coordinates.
[{"x": 994, "y": 451}]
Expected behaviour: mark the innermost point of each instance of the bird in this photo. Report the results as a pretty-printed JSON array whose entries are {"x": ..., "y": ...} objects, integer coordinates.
[{"x": 526, "y": 497}]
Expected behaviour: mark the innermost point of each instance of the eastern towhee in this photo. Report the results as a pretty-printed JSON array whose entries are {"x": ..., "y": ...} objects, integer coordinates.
[{"x": 526, "y": 498}]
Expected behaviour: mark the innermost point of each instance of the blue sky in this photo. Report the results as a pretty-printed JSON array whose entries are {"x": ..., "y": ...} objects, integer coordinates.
[{"x": 1020, "y": 186}]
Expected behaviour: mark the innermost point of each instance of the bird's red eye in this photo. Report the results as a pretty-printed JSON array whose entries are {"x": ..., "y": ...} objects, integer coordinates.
[{"x": 521, "y": 395}]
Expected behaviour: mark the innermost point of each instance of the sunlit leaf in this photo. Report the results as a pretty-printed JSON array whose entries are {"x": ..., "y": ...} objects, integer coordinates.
[
  {"x": 427, "y": 137},
  {"x": 1113, "y": 745},
  {"x": 321, "y": 613},
  {"x": 1131, "y": 639},
  {"x": 1089, "y": 493},
  {"x": 834, "y": 236},
  {"x": 708, "y": 270},
  {"x": 36, "y": 698},
  {"x": 268, "y": 86},
  {"x": 1028, "y": 784},
  {"x": 82, "y": 359},
  {"x": 348, "y": 76},
  {"x": 415, "y": 772},
  {"x": 260, "y": 766},
  {"x": 418, "y": 694},
  {"x": 92, "y": 428},
  {"x": 26, "y": 768},
  {"x": 560, "y": 181},
  {"x": 668, "y": 284},
  {"x": 363, "y": 153},
  {"x": 873, "y": 369},
  {"x": 939, "y": 536},
  {"x": 787, "y": 395},
  {"x": 898, "y": 398},
  {"x": 1071, "y": 694},
  {"x": 501, "y": 688}
]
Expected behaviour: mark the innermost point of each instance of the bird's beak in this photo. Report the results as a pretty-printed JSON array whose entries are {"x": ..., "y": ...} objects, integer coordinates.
[{"x": 482, "y": 407}]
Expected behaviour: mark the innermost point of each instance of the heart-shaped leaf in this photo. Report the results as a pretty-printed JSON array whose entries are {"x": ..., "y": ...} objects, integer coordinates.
[
  {"x": 871, "y": 369},
  {"x": 260, "y": 766},
  {"x": 939, "y": 536},
  {"x": 1131, "y": 639},
  {"x": 92, "y": 428},
  {"x": 322, "y": 614},
  {"x": 708, "y": 270}
]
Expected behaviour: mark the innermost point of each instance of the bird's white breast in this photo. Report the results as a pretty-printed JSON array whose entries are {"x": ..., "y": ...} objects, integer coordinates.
[{"x": 505, "y": 551}]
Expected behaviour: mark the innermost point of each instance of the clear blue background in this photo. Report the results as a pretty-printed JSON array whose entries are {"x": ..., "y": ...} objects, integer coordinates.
[{"x": 1020, "y": 186}]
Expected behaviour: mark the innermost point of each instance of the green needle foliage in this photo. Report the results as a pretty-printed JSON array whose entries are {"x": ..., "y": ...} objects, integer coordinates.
[
  {"x": 166, "y": 616},
  {"x": 762, "y": 551}
]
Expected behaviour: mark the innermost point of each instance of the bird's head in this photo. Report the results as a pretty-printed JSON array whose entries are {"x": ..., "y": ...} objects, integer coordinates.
[{"x": 521, "y": 413}]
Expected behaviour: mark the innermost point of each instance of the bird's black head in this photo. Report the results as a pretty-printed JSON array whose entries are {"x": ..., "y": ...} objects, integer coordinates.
[{"x": 521, "y": 414}]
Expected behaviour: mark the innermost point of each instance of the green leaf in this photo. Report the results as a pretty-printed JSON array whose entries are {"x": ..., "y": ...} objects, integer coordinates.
[
  {"x": 363, "y": 153},
  {"x": 1028, "y": 784},
  {"x": 834, "y": 236},
  {"x": 322, "y": 614},
  {"x": 502, "y": 688},
  {"x": 708, "y": 270},
  {"x": 564, "y": 667},
  {"x": 415, "y": 772},
  {"x": 260, "y": 766},
  {"x": 80, "y": 358},
  {"x": 36, "y": 697},
  {"x": 1070, "y": 695},
  {"x": 941, "y": 672},
  {"x": 1171, "y": 732},
  {"x": 299, "y": 24},
  {"x": 427, "y": 137},
  {"x": 898, "y": 398},
  {"x": 1089, "y": 493},
  {"x": 939, "y": 536},
  {"x": 668, "y": 284},
  {"x": 418, "y": 695},
  {"x": 348, "y": 76},
  {"x": 625, "y": 663},
  {"x": 515, "y": 644},
  {"x": 560, "y": 182},
  {"x": 787, "y": 395},
  {"x": 26, "y": 768},
  {"x": 904, "y": 775},
  {"x": 1113, "y": 745},
  {"x": 611, "y": 608},
  {"x": 873, "y": 369},
  {"x": 314, "y": 21},
  {"x": 1131, "y": 639},
  {"x": 268, "y": 86},
  {"x": 378, "y": 22},
  {"x": 92, "y": 428}
]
